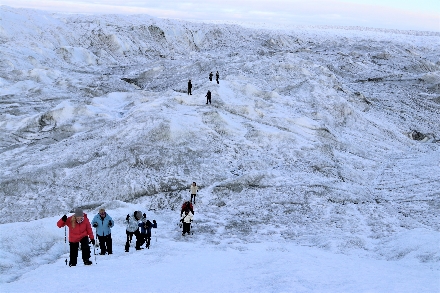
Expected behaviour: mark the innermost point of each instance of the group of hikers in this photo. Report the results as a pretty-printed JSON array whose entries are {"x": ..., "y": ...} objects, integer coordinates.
[
  {"x": 138, "y": 220},
  {"x": 80, "y": 229},
  {"x": 187, "y": 210},
  {"x": 208, "y": 94}
]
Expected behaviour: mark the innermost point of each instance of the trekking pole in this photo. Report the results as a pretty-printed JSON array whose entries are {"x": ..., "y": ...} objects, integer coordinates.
[
  {"x": 96, "y": 242},
  {"x": 65, "y": 242},
  {"x": 97, "y": 239},
  {"x": 94, "y": 251},
  {"x": 94, "y": 247}
]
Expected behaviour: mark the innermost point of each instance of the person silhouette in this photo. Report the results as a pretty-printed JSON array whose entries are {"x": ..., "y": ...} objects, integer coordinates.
[
  {"x": 208, "y": 97},
  {"x": 189, "y": 87}
]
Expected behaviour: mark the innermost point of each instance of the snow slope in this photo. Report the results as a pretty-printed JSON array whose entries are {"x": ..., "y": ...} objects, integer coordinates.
[
  {"x": 202, "y": 263},
  {"x": 305, "y": 153}
]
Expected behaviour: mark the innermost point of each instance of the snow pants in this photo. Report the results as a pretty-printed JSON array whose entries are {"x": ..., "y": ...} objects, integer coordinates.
[
  {"x": 130, "y": 237},
  {"x": 105, "y": 244},
  {"x": 186, "y": 228},
  {"x": 145, "y": 239},
  {"x": 85, "y": 250}
]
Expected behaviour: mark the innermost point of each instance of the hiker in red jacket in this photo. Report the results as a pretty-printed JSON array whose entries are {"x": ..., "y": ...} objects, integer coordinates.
[
  {"x": 79, "y": 232},
  {"x": 187, "y": 205}
]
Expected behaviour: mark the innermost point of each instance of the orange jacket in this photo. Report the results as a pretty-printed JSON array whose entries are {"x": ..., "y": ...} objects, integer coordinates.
[{"x": 80, "y": 231}]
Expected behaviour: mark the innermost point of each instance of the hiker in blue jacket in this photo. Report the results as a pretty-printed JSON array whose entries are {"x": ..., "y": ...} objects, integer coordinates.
[
  {"x": 146, "y": 226},
  {"x": 103, "y": 223}
]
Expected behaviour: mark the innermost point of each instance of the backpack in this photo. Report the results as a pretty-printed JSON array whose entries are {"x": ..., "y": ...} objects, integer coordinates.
[{"x": 187, "y": 205}]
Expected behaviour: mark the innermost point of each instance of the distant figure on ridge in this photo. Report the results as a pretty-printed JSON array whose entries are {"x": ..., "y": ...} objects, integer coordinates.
[
  {"x": 217, "y": 76},
  {"x": 189, "y": 87},
  {"x": 208, "y": 97},
  {"x": 210, "y": 76}
]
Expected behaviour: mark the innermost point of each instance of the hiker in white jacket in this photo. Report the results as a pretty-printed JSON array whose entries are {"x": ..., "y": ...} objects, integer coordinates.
[
  {"x": 133, "y": 228},
  {"x": 193, "y": 189},
  {"x": 186, "y": 219}
]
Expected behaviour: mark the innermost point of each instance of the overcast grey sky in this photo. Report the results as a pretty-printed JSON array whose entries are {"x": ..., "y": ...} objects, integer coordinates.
[{"x": 395, "y": 14}]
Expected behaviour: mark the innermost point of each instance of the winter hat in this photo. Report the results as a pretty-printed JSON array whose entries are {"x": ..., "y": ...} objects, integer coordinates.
[
  {"x": 138, "y": 214},
  {"x": 79, "y": 212}
]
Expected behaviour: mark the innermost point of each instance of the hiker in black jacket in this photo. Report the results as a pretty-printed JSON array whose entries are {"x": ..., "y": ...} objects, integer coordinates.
[
  {"x": 146, "y": 226},
  {"x": 189, "y": 87},
  {"x": 208, "y": 97}
]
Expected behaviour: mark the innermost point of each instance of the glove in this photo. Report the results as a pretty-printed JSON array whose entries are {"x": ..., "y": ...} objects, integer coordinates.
[
  {"x": 144, "y": 215},
  {"x": 109, "y": 223},
  {"x": 64, "y": 218},
  {"x": 154, "y": 221},
  {"x": 92, "y": 241},
  {"x": 95, "y": 225},
  {"x": 128, "y": 217}
]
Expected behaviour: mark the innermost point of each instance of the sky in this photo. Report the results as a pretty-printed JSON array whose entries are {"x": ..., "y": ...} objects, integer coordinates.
[{"x": 392, "y": 14}]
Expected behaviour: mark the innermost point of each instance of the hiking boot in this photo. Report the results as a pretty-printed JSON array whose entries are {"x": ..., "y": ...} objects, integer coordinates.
[
  {"x": 139, "y": 248},
  {"x": 87, "y": 262},
  {"x": 72, "y": 264}
]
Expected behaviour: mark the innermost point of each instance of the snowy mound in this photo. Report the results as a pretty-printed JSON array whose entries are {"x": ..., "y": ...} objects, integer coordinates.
[{"x": 307, "y": 140}]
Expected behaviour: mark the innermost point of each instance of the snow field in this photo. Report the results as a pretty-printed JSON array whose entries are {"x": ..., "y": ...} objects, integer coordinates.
[{"x": 310, "y": 181}]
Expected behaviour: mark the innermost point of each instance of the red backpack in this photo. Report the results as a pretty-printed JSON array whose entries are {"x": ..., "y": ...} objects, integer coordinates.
[{"x": 187, "y": 205}]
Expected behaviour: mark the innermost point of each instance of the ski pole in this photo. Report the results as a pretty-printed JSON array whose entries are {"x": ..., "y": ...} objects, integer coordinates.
[
  {"x": 97, "y": 239},
  {"x": 94, "y": 251},
  {"x": 96, "y": 243},
  {"x": 65, "y": 242}
]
